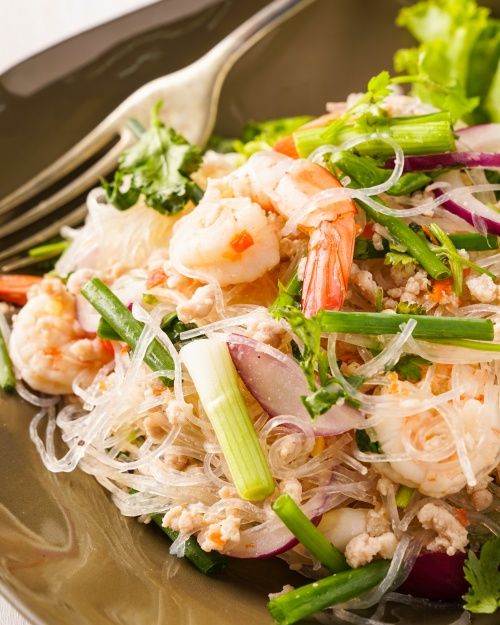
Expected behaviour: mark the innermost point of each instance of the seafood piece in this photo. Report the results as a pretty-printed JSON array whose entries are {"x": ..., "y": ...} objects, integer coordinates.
[
  {"x": 230, "y": 240},
  {"x": 48, "y": 346},
  {"x": 449, "y": 447}
]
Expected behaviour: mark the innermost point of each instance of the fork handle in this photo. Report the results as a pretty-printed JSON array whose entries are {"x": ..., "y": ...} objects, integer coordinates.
[{"x": 224, "y": 55}]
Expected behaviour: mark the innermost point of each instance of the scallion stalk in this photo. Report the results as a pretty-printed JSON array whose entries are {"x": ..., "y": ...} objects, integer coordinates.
[
  {"x": 403, "y": 496},
  {"x": 422, "y": 134},
  {"x": 474, "y": 242},
  {"x": 123, "y": 323},
  {"x": 214, "y": 376},
  {"x": 7, "y": 377},
  {"x": 470, "y": 344},
  {"x": 308, "y": 534},
  {"x": 105, "y": 331},
  {"x": 49, "y": 250},
  {"x": 427, "y": 328},
  {"x": 208, "y": 563},
  {"x": 323, "y": 593}
]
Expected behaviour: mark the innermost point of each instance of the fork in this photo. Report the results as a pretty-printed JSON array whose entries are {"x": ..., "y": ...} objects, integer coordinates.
[{"x": 191, "y": 95}]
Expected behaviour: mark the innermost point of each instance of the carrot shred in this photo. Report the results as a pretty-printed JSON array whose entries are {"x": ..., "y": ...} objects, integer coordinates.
[
  {"x": 14, "y": 287},
  {"x": 440, "y": 288},
  {"x": 241, "y": 241}
]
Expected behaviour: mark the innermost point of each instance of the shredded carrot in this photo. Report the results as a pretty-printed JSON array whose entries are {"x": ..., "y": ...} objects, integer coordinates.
[
  {"x": 319, "y": 446},
  {"x": 440, "y": 288},
  {"x": 216, "y": 538},
  {"x": 108, "y": 346},
  {"x": 242, "y": 241},
  {"x": 462, "y": 517},
  {"x": 156, "y": 277},
  {"x": 14, "y": 287},
  {"x": 368, "y": 230}
]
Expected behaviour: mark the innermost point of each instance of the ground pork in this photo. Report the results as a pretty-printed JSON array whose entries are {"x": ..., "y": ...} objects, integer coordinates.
[
  {"x": 198, "y": 306},
  {"x": 451, "y": 535},
  {"x": 263, "y": 328},
  {"x": 363, "y": 280},
  {"x": 482, "y": 289},
  {"x": 363, "y": 548}
]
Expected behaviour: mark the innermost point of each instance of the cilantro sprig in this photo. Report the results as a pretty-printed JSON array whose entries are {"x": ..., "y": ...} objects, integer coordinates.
[
  {"x": 483, "y": 575},
  {"x": 158, "y": 167}
]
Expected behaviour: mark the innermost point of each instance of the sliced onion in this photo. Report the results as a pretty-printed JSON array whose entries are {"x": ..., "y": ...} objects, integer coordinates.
[
  {"x": 468, "y": 207},
  {"x": 429, "y": 162},
  {"x": 481, "y": 138},
  {"x": 438, "y": 576},
  {"x": 277, "y": 383}
]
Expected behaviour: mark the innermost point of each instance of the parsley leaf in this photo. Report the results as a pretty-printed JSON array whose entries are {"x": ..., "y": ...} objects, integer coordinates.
[
  {"x": 158, "y": 167},
  {"x": 409, "y": 367},
  {"x": 483, "y": 575},
  {"x": 398, "y": 258}
]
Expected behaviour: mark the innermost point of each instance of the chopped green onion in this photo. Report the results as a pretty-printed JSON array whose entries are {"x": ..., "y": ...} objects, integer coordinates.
[
  {"x": 403, "y": 496},
  {"x": 7, "y": 377},
  {"x": 323, "y": 593},
  {"x": 105, "y": 331},
  {"x": 214, "y": 376},
  {"x": 480, "y": 345},
  {"x": 423, "y": 134},
  {"x": 208, "y": 563},
  {"x": 474, "y": 242},
  {"x": 49, "y": 250},
  {"x": 121, "y": 320},
  {"x": 415, "y": 245},
  {"x": 427, "y": 328},
  {"x": 308, "y": 534}
]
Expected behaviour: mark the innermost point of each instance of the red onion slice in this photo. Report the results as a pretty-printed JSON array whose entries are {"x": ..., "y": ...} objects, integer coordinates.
[
  {"x": 430, "y": 162},
  {"x": 468, "y": 207},
  {"x": 481, "y": 138},
  {"x": 277, "y": 383},
  {"x": 437, "y": 576}
]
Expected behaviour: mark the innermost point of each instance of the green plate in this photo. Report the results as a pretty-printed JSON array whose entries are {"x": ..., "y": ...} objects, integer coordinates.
[{"x": 67, "y": 557}]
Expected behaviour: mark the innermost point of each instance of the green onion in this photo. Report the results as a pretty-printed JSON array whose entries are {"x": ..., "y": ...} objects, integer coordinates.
[
  {"x": 474, "y": 242},
  {"x": 366, "y": 173},
  {"x": 308, "y": 534},
  {"x": 480, "y": 345},
  {"x": 415, "y": 245},
  {"x": 105, "y": 331},
  {"x": 49, "y": 250},
  {"x": 403, "y": 496},
  {"x": 121, "y": 320},
  {"x": 423, "y": 134},
  {"x": 306, "y": 600},
  {"x": 7, "y": 377},
  {"x": 214, "y": 376},
  {"x": 208, "y": 563},
  {"x": 427, "y": 328}
]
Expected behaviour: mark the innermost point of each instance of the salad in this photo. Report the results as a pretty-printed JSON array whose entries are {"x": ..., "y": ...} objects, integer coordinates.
[{"x": 288, "y": 344}]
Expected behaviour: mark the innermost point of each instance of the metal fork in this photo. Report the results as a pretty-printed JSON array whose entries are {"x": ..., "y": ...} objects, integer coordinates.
[{"x": 191, "y": 95}]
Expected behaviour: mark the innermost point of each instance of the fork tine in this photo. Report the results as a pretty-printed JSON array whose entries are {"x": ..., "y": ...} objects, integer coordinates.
[
  {"x": 71, "y": 219},
  {"x": 72, "y": 190},
  {"x": 74, "y": 157}
]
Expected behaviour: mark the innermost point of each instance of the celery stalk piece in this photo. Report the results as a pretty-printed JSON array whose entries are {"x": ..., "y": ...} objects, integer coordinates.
[{"x": 214, "y": 376}]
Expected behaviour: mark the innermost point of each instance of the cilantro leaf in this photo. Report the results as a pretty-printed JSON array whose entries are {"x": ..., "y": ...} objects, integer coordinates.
[
  {"x": 483, "y": 575},
  {"x": 455, "y": 67},
  {"x": 309, "y": 332},
  {"x": 323, "y": 399},
  {"x": 366, "y": 444},
  {"x": 398, "y": 258},
  {"x": 157, "y": 167},
  {"x": 173, "y": 327},
  {"x": 409, "y": 367},
  {"x": 410, "y": 308}
]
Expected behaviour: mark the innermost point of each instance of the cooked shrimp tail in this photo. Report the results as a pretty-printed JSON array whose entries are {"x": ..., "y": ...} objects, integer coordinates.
[{"x": 328, "y": 265}]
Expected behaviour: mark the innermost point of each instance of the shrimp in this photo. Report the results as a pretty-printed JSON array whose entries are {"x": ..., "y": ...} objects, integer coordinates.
[
  {"x": 448, "y": 447},
  {"x": 47, "y": 345},
  {"x": 270, "y": 182},
  {"x": 228, "y": 239}
]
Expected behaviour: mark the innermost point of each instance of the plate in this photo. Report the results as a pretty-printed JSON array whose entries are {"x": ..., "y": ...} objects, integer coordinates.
[{"x": 67, "y": 557}]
